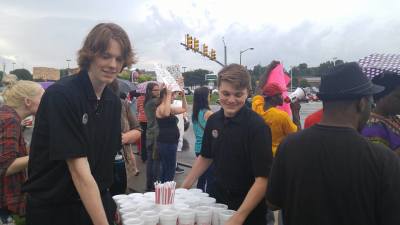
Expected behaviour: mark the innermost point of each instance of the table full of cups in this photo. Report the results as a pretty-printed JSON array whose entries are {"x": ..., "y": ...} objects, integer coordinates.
[{"x": 171, "y": 206}]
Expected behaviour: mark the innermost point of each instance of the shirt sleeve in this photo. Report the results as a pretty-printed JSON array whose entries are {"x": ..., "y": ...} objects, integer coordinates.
[
  {"x": 132, "y": 119},
  {"x": 275, "y": 190},
  {"x": 288, "y": 125},
  {"x": 389, "y": 200},
  {"x": 206, "y": 150},
  {"x": 257, "y": 105},
  {"x": 66, "y": 130},
  {"x": 260, "y": 146},
  {"x": 8, "y": 143}
]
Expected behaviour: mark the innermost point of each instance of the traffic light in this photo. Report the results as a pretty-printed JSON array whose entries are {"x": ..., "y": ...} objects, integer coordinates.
[
  {"x": 213, "y": 54},
  {"x": 196, "y": 44},
  {"x": 205, "y": 50},
  {"x": 189, "y": 42}
]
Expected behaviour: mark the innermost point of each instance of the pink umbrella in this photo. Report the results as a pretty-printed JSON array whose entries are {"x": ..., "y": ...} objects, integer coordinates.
[{"x": 141, "y": 88}]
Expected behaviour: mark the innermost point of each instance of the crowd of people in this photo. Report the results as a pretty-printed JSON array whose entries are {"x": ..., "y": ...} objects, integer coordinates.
[{"x": 342, "y": 168}]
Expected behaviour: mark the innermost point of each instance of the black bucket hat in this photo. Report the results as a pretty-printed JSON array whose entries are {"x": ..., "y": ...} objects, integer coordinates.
[{"x": 346, "y": 82}]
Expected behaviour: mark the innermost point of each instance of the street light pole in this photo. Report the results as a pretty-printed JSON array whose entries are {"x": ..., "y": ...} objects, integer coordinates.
[
  {"x": 240, "y": 57},
  {"x": 223, "y": 40},
  {"x": 184, "y": 68},
  {"x": 13, "y": 63},
  {"x": 334, "y": 61},
  {"x": 291, "y": 78}
]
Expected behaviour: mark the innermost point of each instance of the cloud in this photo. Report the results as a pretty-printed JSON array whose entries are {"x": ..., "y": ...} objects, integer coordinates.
[{"x": 48, "y": 33}]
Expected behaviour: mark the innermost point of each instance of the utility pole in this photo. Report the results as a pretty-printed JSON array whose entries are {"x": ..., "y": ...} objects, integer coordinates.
[
  {"x": 13, "y": 63},
  {"x": 223, "y": 40},
  {"x": 184, "y": 68}
]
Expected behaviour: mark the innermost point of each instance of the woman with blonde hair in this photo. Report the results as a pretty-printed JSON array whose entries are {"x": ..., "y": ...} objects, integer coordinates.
[{"x": 21, "y": 99}]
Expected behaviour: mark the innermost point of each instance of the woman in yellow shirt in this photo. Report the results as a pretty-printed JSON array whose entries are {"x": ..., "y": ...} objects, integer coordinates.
[{"x": 278, "y": 120}]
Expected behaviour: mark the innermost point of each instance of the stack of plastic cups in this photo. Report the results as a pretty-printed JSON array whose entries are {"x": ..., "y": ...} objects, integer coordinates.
[
  {"x": 135, "y": 195},
  {"x": 195, "y": 190},
  {"x": 203, "y": 215},
  {"x": 144, "y": 207},
  {"x": 225, "y": 215},
  {"x": 133, "y": 222},
  {"x": 192, "y": 201},
  {"x": 127, "y": 209},
  {"x": 179, "y": 206},
  {"x": 150, "y": 217},
  {"x": 129, "y": 215},
  {"x": 186, "y": 217},
  {"x": 207, "y": 201},
  {"x": 168, "y": 217},
  {"x": 216, "y": 209}
]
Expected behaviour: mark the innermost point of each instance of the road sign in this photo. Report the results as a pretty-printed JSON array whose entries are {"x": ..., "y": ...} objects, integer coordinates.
[{"x": 211, "y": 77}]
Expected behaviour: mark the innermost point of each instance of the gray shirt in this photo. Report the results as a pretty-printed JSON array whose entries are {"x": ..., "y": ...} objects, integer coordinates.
[{"x": 152, "y": 127}]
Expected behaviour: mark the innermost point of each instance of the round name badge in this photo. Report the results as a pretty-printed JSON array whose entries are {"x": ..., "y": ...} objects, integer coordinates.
[
  {"x": 85, "y": 119},
  {"x": 214, "y": 133}
]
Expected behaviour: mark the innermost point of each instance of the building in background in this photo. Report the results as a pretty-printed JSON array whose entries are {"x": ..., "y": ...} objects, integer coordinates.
[{"x": 46, "y": 74}]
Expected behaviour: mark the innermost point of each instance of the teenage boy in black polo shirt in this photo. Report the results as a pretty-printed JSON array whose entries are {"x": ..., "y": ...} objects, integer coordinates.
[
  {"x": 329, "y": 174},
  {"x": 238, "y": 142},
  {"x": 77, "y": 134}
]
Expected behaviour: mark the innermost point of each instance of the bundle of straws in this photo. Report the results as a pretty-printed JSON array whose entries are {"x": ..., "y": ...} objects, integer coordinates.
[{"x": 165, "y": 192}]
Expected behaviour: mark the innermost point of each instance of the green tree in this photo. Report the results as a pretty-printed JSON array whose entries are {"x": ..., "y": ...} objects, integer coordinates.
[
  {"x": 125, "y": 75},
  {"x": 196, "y": 77},
  {"x": 144, "y": 77},
  {"x": 63, "y": 73},
  {"x": 1, "y": 77},
  {"x": 22, "y": 74},
  {"x": 304, "y": 83},
  {"x": 257, "y": 72}
]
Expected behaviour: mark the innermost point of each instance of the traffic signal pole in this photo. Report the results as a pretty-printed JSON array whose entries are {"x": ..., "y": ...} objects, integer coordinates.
[{"x": 194, "y": 45}]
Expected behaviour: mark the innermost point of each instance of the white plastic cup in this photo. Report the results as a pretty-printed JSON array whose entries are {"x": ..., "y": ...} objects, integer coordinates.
[
  {"x": 195, "y": 190},
  {"x": 225, "y": 215},
  {"x": 207, "y": 201},
  {"x": 164, "y": 207},
  {"x": 130, "y": 215},
  {"x": 186, "y": 217},
  {"x": 179, "y": 206},
  {"x": 193, "y": 201},
  {"x": 127, "y": 210},
  {"x": 133, "y": 221},
  {"x": 216, "y": 208},
  {"x": 203, "y": 215},
  {"x": 117, "y": 197},
  {"x": 128, "y": 205},
  {"x": 135, "y": 195},
  {"x": 122, "y": 201},
  {"x": 150, "y": 217},
  {"x": 201, "y": 194},
  {"x": 142, "y": 208},
  {"x": 168, "y": 217},
  {"x": 180, "y": 191}
]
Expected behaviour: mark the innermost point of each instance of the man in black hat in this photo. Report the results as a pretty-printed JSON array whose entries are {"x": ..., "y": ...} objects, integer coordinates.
[{"x": 329, "y": 173}]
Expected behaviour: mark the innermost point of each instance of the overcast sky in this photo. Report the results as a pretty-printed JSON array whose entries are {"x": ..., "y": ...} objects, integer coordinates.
[{"x": 47, "y": 32}]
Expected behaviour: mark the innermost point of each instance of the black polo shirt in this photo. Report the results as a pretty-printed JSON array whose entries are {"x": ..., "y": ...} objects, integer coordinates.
[
  {"x": 334, "y": 176},
  {"x": 240, "y": 148},
  {"x": 71, "y": 122}
]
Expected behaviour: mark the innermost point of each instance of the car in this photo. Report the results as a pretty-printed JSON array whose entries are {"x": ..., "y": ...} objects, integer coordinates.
[
  {"x": 187, "y": 91},
  {"x": 214, "y": 91}
]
